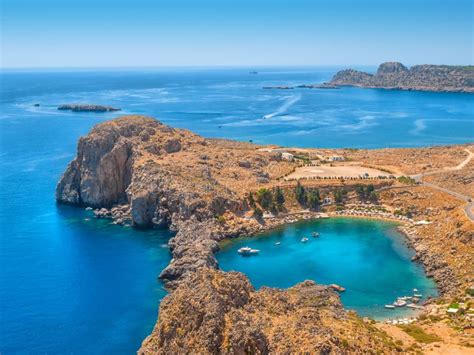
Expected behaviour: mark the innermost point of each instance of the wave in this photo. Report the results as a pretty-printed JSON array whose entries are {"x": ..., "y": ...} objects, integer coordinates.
[{"x": 291, "y": 100}]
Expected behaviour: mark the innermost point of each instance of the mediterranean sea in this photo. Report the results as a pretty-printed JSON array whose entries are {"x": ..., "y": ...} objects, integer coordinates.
[{"x": 71, "y": 283}]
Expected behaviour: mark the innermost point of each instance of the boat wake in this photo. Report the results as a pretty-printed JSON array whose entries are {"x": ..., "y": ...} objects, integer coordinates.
[{"x": 290, "y": 101}]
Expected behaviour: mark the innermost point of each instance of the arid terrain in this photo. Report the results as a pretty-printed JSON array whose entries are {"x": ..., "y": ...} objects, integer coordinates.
[{"x": 138, "y": 171}]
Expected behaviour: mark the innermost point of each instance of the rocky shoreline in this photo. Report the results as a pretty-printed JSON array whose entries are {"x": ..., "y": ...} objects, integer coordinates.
[
  {"x": 138, "y": 171},
  {"x": 395, "y": 76}
]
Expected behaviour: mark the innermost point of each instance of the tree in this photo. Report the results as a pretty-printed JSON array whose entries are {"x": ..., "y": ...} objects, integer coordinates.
[
  {"x": 360, "y": 191},
  {"x": 278, "y": 198},
  {"x": 313, "y": 199},
  {"x": 251, "y": 200},
  {"x": 373, "y": 196},
  {"x": 257, "y": 213},
  {"x": 264, "y": 197},
  {"x": 338, "y": 195},
  {"x": 300, "y": 193}
]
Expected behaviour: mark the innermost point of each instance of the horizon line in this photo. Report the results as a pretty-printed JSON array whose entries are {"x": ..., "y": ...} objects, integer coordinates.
[{"x": 205, "y": 66}]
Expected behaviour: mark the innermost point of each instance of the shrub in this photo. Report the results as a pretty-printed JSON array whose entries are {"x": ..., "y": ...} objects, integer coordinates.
[
  {"x": 419, "y": 334},
  {"x": 264, "y": 197}
]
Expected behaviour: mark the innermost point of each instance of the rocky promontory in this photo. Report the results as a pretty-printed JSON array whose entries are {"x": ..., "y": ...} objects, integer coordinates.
[
  {"x": 213, "y": 312},
  {"x": 138, "y": 171},
  {"x": 394, "y": 75},
  {"x": 87, "y": 108}
]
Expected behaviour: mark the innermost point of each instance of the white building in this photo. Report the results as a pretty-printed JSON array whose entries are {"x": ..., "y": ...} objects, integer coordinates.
[
  {"x": 336, "y": 158},
  {"x": 327, "y": 201},
  {"x": 287, "y": 156}
]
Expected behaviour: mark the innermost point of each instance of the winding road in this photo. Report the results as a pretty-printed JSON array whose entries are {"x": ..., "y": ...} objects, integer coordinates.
[{"x": 468, "y": 209}]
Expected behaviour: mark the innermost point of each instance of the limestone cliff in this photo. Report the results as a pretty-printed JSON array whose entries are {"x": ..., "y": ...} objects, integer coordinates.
[
  {"x": 394, "y": 75},
  {"x": 213, "y": 312},
  {"x": 146, "y": 173}
]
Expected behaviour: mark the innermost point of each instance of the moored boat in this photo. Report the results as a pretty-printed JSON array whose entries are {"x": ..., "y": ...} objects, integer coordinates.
[
  {"x": 248, "y": 251},
  {"x": 400, "y": 303},
  {"x": 389, "y": 306},
  {"x": 304, "y": 240},
  {"x": 315, "y": 234}
]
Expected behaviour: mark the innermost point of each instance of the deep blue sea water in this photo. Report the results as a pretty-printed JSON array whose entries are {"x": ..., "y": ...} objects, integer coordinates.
[
  {"x": 68, "y": 284},
  {"x": 367, "y": 257}
]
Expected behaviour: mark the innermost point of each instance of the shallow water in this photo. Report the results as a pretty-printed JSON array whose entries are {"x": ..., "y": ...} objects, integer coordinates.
[
  {"x": 67, "y": 284},
  {"x": 367, "y": 257}
]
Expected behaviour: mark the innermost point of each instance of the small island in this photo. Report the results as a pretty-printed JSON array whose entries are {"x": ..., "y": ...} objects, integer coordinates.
[
  {"x": 396, "y": 76},
  {"x": 87, "y": 108}
]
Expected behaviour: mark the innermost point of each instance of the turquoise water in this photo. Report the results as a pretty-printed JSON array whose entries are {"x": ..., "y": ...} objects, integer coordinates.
[
  {"x": 71, "y": 285},
  {"x": 367, "y": 257}
]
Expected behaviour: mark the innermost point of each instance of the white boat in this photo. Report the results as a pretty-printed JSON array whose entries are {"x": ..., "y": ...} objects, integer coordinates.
[
  {"x": 400, "y": 303},
  {"x": 315, "y": 234},
  {"x": 304, "y": 240},
  {"x": 248, "y": 251},
  {"x": 418, "y": 295},
  {"x": 414, "y": 306},
  {"x": 277, "y": 243},
  {"x": 415, "y": 290},
  {"x": 390, "y": 306}
]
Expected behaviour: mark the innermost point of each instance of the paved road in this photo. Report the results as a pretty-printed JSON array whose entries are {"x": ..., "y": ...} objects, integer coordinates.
[{"x": 468, "y": 209}]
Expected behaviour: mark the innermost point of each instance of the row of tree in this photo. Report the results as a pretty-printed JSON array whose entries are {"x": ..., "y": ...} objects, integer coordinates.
[{"x": 274, "y": 199}]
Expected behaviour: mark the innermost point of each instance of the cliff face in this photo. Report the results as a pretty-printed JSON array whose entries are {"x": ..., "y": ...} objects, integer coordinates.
[
  {"x": 146, "y": 173},
  {"x": 215, "y": 312},
  {"x": 394, "y": 75}
]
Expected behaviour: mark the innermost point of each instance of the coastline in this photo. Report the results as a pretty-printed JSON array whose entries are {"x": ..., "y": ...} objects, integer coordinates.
[{"x": 204, "y": 203}]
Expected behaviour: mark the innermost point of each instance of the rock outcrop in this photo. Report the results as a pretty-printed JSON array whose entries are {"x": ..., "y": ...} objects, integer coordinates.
[
  {"x": 87, "y": 108},
  {"x": 137, "y": 170},
  {"x": 213, "y": 312},
  {"x": 394, "y": 75}
]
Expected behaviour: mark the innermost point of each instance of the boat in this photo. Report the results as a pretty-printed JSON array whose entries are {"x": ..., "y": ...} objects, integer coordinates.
[
  {"x": 415, "y": 290},
  {"x": 389, "y": 306},
  {"x": 248, "y": 251},
  {"x": 304, "y": 240},
  {"x": 418, "y": 295},
  {"x": 414, "y": 306},
  {"x": 338, "y": 288},
  {"x": 400, "y": 303},
  {"x": 277, "y": 243},
  {"x": 315, "y": 234}
]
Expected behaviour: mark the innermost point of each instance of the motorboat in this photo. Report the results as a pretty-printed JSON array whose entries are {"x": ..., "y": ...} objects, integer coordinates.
[
  {"x": 400, "y": 303},
  {"x": 304, "y": 240},
  {"x": 248, "y": 251}
]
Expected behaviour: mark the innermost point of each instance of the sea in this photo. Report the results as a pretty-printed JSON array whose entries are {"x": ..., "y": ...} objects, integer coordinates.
[{"x": 70, "y": 283}]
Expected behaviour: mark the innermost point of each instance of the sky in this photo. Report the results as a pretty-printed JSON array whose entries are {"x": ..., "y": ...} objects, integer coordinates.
[{"x": 153, "y": 33}]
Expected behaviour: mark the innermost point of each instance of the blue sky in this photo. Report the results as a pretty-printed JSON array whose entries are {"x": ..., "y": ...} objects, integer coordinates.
[{"x": 111, "y": 33}]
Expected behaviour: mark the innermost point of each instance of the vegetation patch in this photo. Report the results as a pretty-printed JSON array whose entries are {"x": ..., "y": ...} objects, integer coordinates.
[{"x": 419, "y": 334}]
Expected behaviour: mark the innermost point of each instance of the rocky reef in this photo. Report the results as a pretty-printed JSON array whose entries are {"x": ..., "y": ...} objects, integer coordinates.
[
  {"x": 87, "y": 108},
  {"x": 225, "y": 315},
  {"x": 394, "y": 75}
]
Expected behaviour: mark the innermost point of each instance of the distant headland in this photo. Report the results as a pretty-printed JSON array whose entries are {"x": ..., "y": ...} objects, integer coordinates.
[{"x": 394, "y": 75}]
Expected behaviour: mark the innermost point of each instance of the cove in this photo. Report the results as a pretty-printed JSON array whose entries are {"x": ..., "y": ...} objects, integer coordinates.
[{"x": 368, "y": 257}]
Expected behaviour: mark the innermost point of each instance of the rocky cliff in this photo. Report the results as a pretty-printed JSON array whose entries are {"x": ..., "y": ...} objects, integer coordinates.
[
  {"x": 213, "y": 312},
  {"x": 140, "y": 171},
  {"x": 394, "y": 75}
]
